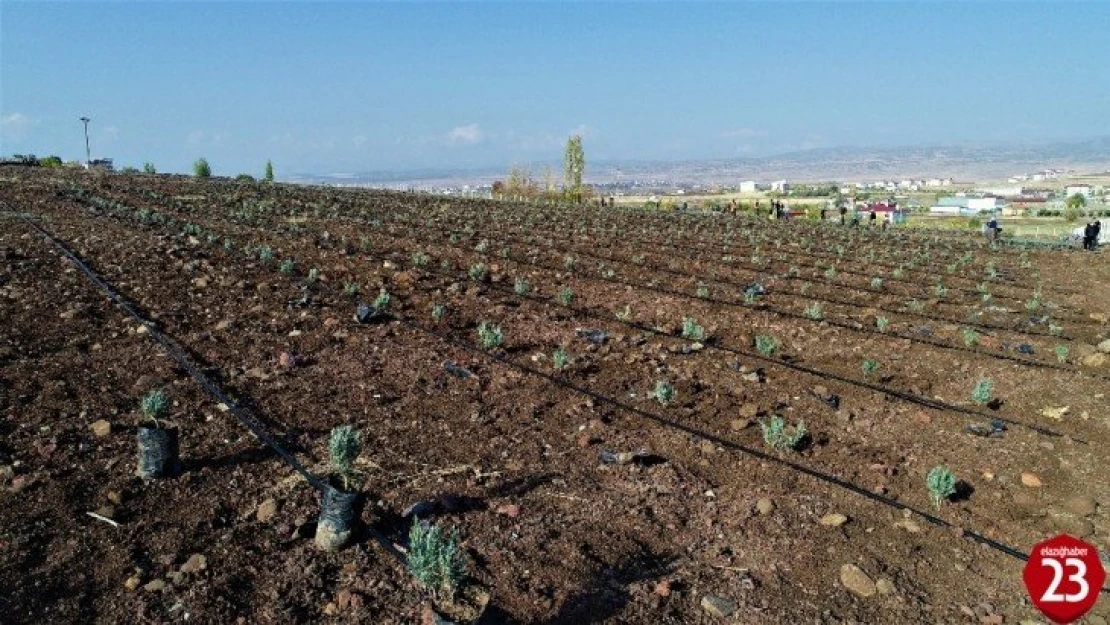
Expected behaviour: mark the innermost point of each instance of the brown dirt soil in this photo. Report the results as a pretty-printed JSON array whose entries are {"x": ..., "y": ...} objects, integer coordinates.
[{"x": 642, "y": 542}]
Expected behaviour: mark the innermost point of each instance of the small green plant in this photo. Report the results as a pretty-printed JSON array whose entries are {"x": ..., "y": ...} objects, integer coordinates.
[
  {"x": 477, "y": 272},
  {"x": 663, "y": 392},
  {"x": 779, "y": 437},
  {"x": 1061, "y": 353},
  {"x": 941, "y": 484},
  {"x": 350, "y": 288},
  {"x": 869, "y": 366},
  {"x": 266, "y": 254},
  {"x": 830, "y": 273},
  {"x": 286, "y": 267},
  {"x": 691, "y": 330},
  {"x": 1033, "y": 304},
  {"x": 482, "y": 247},
  {"x": 882, "y": 323},
  {"x": 625, "y": 315},
  {"x": 766, "y": 345},
  {"x": 155, "y": 406},
  {"x": 915, "y": 305},
  {"x": 560, "y": 359},
  {"x": 1055, "y": 330},
  {"x": 148, "y": 168},
  {"x": 420, "y": 259},
  {"x": 876, "y": 283},
  {"x": 982, "y": 288},
  {"x": 898, "y": 273},
  {"x": 570, "y": 262},
  {"x": 521, "y": 287},
  {"x": 638, "y": 259},
  {"x": 490, "y": 335},
  {"x": 565, "y": 296},
  {"x": 438, "y": 312},
  {"x": 313, "y": 275},
  {"x": 940, "y": 290},
  {"x": 703, "y": 290},
  {"x": 814, "y": 311},
  {"x": 981, "y": 394},
  {"x": 436, "y": 560},
  {"x": 381, "y": 302},
  {"x": 970, "y": 337},
  {"x": 344, "y": 446},
  {"x": 201, "y": 169}
]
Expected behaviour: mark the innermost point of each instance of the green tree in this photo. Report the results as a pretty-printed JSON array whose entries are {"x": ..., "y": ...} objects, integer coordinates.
[
  {"x": 148, "y": 168},
  {"x": 201, "y": 169},
  {"x": 50, "y": 161},
  {"x": 269, "y": 175},
  {"x": 1073, "y": 207},
  {"x": 574, "y": 165}
]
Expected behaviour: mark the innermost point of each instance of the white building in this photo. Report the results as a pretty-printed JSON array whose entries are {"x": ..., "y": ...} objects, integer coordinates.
[
  {"x": 1078, "y": 189},
  {"x": 780, "y": 186},
  {"x": 748, "y": 186}
]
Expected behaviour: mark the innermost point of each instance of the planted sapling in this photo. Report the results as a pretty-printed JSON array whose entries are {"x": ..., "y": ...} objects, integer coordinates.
[
  {"x": 1061, "y": 353},
  {"x": 436, "y": 560},
  {"x": 814, "y": 311},
  {"x": 876, "y": 283},
  {"x": 155, "y": 406},
  {"x": 691, "y": 330},
  {"x": 560, "y": 359},
  {"x": 869, "y": 366},
  {"x": 566, "y": 296},
  {"x": 970, "y": 337},
  {"x": 882, "y": 323},
  {"x": 703, "y": 290},
  {"x": 419, "y": 259},
  {"x": 779, "y": 437},
  {"x": 663, "y": 393},
  {"x": 344, "y": 447},
  {"x": 521, "y": 287},
  {"x": 981, "y": 394},
  {"x": 625, "y": 315},
  {"x": 438, "y": 312},
  {"x": 490, "y": 335},
  {"x": 313, "y": 275},
  {"x": 381, "y": 302},
  {"x": 477, "y": 272},
  {"x": 286, "y": 267},
  {"x": 266, "y": 254},
  {"x": 350, "y": 288},
  {"x": 766, "y": 345},
  {"x": 941, "y": 484},
  {"x": 570, "y": 262}
]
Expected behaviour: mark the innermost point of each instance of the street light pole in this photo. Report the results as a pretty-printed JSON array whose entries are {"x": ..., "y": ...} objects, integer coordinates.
[{"x": 88, "y": 153}]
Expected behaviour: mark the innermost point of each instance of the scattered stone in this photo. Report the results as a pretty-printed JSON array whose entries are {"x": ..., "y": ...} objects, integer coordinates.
[
  {"x": 1093, "y": 360},
  {"x": 765, "y": 506},
  {"x": 1031, "y": 480},
  {"x": 431, "y": 617},
  {"x": 663, "y": 588},
  {"x": 510, "y": 510},
  {"x": 155, "y": 585},
  {"x": 1104, "y": 346},
  {"x": 854, "y": 579},
  {"x": 132, "y": 582},
  {"x": 223, "y": 325},
  {"x": 833, "y": 520},
  {"x": 749, "y": 410},
  {"x": 108, "y": 512},
  {"x": 1081, "y": 505},
  {"x": 347, "y": 599},
  {"x": 115, "y": 497},
  {"x": 288, "y": 360},
  {"x": 719, "y": 607},
  {"x": 195, "y": 564},
  {"x": 1055, "y": 413},
  {"x": 885, "y": 586},
  {"x": 908, "y": 525},
  {"x": 266, "y": 510},
  {"x": 740, "y": 424},
  {"x": 1100, "y": 317},
  {"x": 101, "y": 428}
]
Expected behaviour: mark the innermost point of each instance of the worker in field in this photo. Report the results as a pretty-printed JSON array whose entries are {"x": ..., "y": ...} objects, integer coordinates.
[
  {"x": 1089, "y": 236},
  {"x": 824, "y": 213},
  {"x": 843, "y": 214},
  {"x": 871, "y": 219},
  {"x": 992, "y": 230},
  {"x": 1098, "y": 232}
]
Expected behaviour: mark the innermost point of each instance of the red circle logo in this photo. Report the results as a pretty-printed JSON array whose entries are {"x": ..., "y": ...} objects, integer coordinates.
[{"x": 1064, "y": 578}]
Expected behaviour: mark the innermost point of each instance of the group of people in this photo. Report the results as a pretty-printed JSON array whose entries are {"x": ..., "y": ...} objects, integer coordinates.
[{"x": 1090, "y": 234}]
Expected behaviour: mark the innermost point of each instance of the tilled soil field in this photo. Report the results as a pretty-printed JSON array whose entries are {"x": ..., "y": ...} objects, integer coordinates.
[{"x": 578, "y": 495}]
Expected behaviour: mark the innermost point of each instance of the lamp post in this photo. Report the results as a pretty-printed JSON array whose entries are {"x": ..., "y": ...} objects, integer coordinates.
[{"x": 88, "y": 153}]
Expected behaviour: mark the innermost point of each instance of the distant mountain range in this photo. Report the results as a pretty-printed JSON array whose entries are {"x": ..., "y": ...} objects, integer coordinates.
[{"x": 969, "y": 161}]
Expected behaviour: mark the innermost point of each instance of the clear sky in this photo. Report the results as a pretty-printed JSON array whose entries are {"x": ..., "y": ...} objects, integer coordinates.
[{"x": 345, "y": 87}]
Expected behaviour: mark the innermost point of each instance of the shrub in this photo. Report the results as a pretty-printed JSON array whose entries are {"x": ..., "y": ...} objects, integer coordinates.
[
  {"x": 381, "y": 302},
  {"x": 313, "y": 275},
  {"x": 876, "y": 283},
  {"x": 941, "y": 484},
  {"x": 779, "y": 437},
  {"x": 201, "y": 169},
  {"x": 521, "y": 287},
  {"x": 940, "y": 290},
  {"x": 566, "y": 296},
  {"x": 344, "y": 446},
  {"x": 286, "y": 267},
  {"x": 869, "y": 366},
  {"x": 560, "y": 359},
  {"x": 419, "y": 259},
  {"x": 350, "y": 288},
  {"x": 155, "y": 406},
  {"x": 882, "y": 323},
  {"x": 691, "y": 330},
  {"x": 638, "y": 259},
  {"x": 477, "y": 272},
  {"x": 766, "y": 345},
  {"x": 898, "y": 273},
  {"x": 482, "y": 247},
  {"x": 266, "y": 254},
  {"x": 703, "y": 291},
  {"x": 830, "y": 273},
  {"x": 663, "y": 393},
  {"x": 268, "y": 173},
  {"x": 490, "y": 335},
  {"x": 915, "y": 305},
  {"x": 625, "y": 315},
  {"x": 981, "y": 394},
  {"x": 436, "y": 560},
  {"x": 1061, "y": 353},
  {"x": 970, "y": 337},
  {"x": 1055, "y": 330},
  {"x": 438, "y": 312},
  {"x": 570, "y": 262},
  {"x": 148, "y": 168},
  {"x": 814, "y": 311}
]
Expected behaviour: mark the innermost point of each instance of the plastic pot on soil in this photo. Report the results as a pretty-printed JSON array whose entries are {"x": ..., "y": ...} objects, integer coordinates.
[
  {"x": 158, "y": 450},
  {"x": 339, "y": 512}
]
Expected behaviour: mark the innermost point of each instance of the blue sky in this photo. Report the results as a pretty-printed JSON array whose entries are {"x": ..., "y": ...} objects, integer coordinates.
[{"x": 343, "y": 87}]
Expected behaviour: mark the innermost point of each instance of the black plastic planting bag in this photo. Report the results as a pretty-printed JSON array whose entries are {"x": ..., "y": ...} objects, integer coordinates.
[
  {"x": 339, "y": 512},
  {"x": 158, "y": 448}
]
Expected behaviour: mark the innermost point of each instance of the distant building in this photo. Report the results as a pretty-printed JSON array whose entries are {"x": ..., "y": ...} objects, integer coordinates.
[
  {"x": 101, "y": 163},
  {"x": 1003, "y": 191},
  {"x": 1078, "y": 189},
  {"x": 748, "y": 186},
  {"x": 967, "y": 206},
  {"x": 780, "y": 186}
]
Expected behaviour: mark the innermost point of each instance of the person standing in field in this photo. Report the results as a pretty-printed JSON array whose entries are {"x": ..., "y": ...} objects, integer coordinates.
[
  {"x": 1098, "y": 231},
  {"x": 1089, "y": 235},
  {"x": 992, "y": 230},
  {"x": 843, "y": 214}
]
